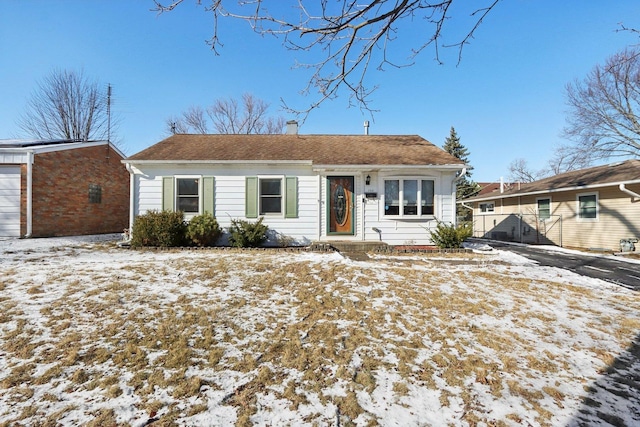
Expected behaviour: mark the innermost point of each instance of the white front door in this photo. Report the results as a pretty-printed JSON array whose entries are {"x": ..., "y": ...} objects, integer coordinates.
[{"x": 9, "y": 201}]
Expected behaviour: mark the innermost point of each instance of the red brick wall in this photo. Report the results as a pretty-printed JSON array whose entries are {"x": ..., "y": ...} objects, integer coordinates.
[{"x": 61, "y": 192}]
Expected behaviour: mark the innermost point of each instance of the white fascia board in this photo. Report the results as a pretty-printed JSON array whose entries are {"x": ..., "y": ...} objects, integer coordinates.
[
  {"x": 322, "y": 168},
  {"x": 37, "y": 149},
  {"x": 555, "y": 190}
]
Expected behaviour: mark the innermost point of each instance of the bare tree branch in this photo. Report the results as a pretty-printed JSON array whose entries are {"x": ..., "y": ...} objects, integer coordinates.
[
  {"x": 228, "y": 116},
  {"x": 566, "y": 158},
  {"x": 519, "y": 171},
  {"x": 349, "y": 35},
  {"x": 603, "y": 120}
]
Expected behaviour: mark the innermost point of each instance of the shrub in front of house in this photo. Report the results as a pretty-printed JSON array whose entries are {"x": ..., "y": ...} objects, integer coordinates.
[
  {"x": 161, "y": 229},
  {"x": 246, "y": 234},
  {"x": 203, "y": 230},
  {"x": 449, "y": 236}
]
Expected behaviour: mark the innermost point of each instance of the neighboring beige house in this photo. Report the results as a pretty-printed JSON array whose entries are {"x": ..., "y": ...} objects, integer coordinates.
[{"x": 592, "y": 208}]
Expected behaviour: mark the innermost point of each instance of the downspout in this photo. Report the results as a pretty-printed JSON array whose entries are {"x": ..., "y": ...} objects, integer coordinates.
[
  {"x": 624, "y": 189},
  {"x": 363, "y": 212},
  {"x": 320, "y": 207},
  {"x": 466, "y": 206},
  {"x": 29, "y": 207},
  {"x": 132, "y": 187}
]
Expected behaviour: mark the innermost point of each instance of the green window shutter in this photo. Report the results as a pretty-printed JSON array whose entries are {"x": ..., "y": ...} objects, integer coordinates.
[
  {"x": 208, "y": 194},
  {"x": 167, "y": 193},
  {"x": 251, "y": 197},
  {"x": 291, "y": 197}
]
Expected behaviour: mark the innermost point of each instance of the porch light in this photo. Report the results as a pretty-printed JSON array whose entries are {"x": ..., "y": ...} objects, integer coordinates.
[{"x": 368, "y": 180}]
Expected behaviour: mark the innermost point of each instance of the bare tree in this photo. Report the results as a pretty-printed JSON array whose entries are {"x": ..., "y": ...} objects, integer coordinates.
[
  {"x": 195, "y": 118},
  {"x": 67, "y": 105},
  {"x": 565, "y": 158},
  {"x": 229, "y": 116},
  {"x": 603, "y": 119},
  {"x": 351, "y": 35},
  {"x": 520, "y": 171}
]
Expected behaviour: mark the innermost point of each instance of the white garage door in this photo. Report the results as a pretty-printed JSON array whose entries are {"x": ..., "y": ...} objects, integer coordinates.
[{"x": 10, "y": 201}]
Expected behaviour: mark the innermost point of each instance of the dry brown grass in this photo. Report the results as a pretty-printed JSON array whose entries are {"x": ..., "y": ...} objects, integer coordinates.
[{"x": 262, "y": 325}]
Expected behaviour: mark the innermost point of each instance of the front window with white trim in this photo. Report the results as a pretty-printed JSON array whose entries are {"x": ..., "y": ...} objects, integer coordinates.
[
  {"x": 408, "y": 198},
  {"x": 587, "y": 206},
  {"x": 188, "y": 195},
  {"x": 544, "y": 208},
  {"x": 270, "y": 196},
  {"x": 488, "y": 207}
]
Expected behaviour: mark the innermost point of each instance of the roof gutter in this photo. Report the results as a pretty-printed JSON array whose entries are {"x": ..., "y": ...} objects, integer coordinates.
[
  {"x": 374, "y": 167},
  {"x": 217, "y": 162},
  {"x": 624, "y": 189}
]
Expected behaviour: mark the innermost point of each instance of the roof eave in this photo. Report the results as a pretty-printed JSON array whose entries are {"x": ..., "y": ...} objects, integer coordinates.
[
  {"x": 554, "y": 190},
  {"x": 215, "y": 162},
  {"x": 38, "y": 149},
  {"x": 451, "y": 167}
]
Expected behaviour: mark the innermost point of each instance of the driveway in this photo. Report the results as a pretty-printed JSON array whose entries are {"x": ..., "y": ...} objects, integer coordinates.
[{"x": 612, "y": 269}]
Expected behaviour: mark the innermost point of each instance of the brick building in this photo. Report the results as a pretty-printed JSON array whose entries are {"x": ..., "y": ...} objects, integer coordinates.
[{"x": 62, "y": 188}]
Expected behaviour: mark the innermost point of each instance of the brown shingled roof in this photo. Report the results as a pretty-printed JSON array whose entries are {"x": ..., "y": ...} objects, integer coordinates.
[
  {"x": 319, "y": 149},
  {"x": 488, "y": 188},
  {"x": 615, "y": 173}
]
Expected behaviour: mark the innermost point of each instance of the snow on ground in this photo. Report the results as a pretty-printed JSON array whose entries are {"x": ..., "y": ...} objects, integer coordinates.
[{"x": 91, "y": 334}]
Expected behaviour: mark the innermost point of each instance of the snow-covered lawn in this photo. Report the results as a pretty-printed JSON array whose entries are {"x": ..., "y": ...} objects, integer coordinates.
[{"x": 95, "y": 335}]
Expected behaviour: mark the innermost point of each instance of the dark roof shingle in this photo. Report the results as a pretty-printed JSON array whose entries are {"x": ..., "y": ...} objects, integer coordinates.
[{"x": 319, "y": 149}]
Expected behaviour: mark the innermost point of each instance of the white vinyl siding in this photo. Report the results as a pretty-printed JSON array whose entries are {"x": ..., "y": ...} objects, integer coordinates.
[
  {"x": 305, "y": 221},
  {"x": 299, "y": 220},
  {"x": 9, "y": 201}
]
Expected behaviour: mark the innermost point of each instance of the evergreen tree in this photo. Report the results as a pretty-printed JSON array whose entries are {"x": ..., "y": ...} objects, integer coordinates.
[
  {"x": 466, "y": 187},
  {"x": 453, "y": 146}
]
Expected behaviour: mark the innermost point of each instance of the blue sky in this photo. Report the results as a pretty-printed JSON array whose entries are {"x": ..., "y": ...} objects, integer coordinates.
[{"x": 505, "y": 99}]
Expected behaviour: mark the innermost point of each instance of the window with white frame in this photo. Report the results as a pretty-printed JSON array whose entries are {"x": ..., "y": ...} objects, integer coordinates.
[
  {"x": 544, "y": 208},
  {"x": 486, "y": 207},
  {"x": 270, "y": 196},
  {"x": 408, "y": 198},
  {"x": 588, "y": 206},
  {"x": 188, "y": 195}
]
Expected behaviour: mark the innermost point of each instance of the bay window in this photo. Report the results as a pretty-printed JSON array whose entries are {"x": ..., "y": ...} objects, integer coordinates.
[{"x": 408, "y": 198}]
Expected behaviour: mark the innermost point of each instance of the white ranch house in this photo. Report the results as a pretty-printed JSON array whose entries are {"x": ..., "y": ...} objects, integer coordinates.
[{"x": 309, "y": 188}]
